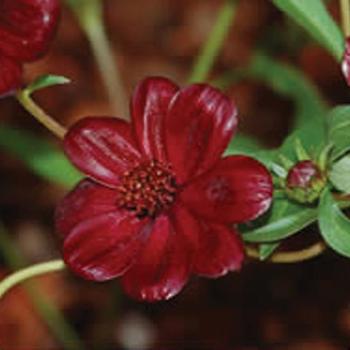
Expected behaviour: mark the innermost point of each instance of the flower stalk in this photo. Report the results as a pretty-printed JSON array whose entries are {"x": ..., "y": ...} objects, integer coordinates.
[
  {"x": 291, "y": 256},
  {"x": 214, "y": 43},
  {"x": 32, "y": 271},
  {"x": 90, "y": 17},
  {"x": 45, "y": 307},
  {"x": 345, "y": 16},
  {"x": 24, "y": 98}
]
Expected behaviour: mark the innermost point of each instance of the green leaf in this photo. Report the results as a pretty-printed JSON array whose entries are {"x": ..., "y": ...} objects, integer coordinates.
[
  {"x": 300, "y": 151},
  {"x": 243, "y": 144},
  {"x": 310, "y": 110},
  {"x": 279, "y": 170},
  {"x": 334, "y": 225},
  {"x": 294, "y": 219},
  {"x": 339, "y": 130},
  {"x": 339, "y": 174},
  {"x": 45, "y": 81},
  {"x": 39, "y": 155},
  {"x": 266, "y": 249},
  {"x": 313, "y": 16}
]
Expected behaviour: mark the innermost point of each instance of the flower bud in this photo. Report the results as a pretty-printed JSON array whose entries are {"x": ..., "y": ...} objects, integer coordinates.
[{"x": 305, "y": 181}]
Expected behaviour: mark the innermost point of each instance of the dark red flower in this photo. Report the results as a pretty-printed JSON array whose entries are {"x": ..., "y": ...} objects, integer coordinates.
[
  {"x": 26, "y": 29},
  {"x": 160, "y": 203}
]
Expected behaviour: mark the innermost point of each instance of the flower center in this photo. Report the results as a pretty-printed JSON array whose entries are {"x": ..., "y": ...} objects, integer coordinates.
[{"x": 147, "y": 189}]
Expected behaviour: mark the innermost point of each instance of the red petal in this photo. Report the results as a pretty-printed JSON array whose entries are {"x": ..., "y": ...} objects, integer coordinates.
[
  {"x": 105, "y": 246},
  {"x": 88, "y": 199},
  {"x": 220, "y": 251},
  {"x": 103, "y": 148},
  {"x": 199, "y": 124},
  {"x": 148, "y": 109},
  {"x": 27, "y": 27},
  {"x": 346, "y": 61},
  {"x": 10, "y": 76},
  {"x": 165, "y": 264},
  {"x": 238, "y": 189}
]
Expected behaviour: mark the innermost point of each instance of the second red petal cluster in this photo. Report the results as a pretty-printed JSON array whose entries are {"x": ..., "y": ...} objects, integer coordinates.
[
  {"x": 26, "y": 29},
  {"x": 159, "y": 203}
]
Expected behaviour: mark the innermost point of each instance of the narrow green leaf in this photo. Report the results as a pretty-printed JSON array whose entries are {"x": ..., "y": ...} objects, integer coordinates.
[
  {"x": 334, "y": 225},
  {"x": 300, "y": 151},
  {"x": 279, "y": 170},
  {"x": 45, "y": 81},
  {"x": 339, "y": 174},
  {"x": 39, "y": 155},
  {"x": 313, "y": 135},
  {"x": 281, "y": 207},
  {"x": 323, "y": 158},
  {"x": 339, "y": 130},
  {"x": 266, "y": 249},
  {"x": 313, "y": 16},
  {"x": 282, "y": 227},
  {"x": 243, "y": 144}
]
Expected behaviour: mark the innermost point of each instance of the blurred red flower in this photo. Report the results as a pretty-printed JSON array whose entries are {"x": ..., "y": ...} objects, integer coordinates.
[
  {"x": 345, "y": 64},
  {"x": 160, "y": 201},
  {"x": 26, "y": 29}
]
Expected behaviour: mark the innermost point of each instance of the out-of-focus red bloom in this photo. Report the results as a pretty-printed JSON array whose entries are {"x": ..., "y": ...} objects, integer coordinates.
[
  {"x": 26, "y": 29},
  {"x": 160, "y": 202},
  {"x": 346, "y": 61}
]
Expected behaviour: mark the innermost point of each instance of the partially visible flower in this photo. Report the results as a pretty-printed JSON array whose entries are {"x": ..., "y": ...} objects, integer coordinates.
[
  {"x": 26, "y": 29},
  {"x": 160, "y": 203},
  {"x": 345, "y": 65},
  {"x": 305, "y": 182}
]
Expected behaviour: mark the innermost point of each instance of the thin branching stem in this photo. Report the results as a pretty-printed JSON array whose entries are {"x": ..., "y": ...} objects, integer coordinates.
[
  {"x": 291, "y": 256},
  {"x": 211, "y": 49},
  {"x": 24, "y": 98},
  {"x": 345, "y": 16},
  {"x": 29, "y": 272}
]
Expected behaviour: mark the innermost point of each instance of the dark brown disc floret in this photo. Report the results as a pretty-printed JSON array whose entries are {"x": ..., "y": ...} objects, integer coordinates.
[{"x": 147, "y": 189}]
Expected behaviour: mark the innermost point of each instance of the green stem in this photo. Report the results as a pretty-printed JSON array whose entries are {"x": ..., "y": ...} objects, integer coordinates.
[
  {"x": 214, "y": 43},
  {"x": 307, "y": 253},
  {"x": 345, "y": 16},
  {"x": 90, "y": 16},
  {"x": 47, "y": 310},
  {"x": 23, "y": 97},
  {"x": 290, "y": 257},
  {"x": 32, "y": 271},
  {"x": 53, "y": 317}
]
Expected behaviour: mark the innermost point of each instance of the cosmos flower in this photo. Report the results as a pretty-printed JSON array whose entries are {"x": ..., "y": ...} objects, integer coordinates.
[
  {"x": 159, "y": 203},
  {"x": 26, "y": 29}
]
